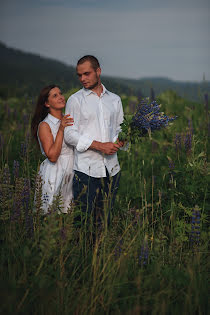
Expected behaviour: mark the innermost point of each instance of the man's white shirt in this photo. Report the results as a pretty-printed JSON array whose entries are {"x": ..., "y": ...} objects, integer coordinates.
[{"x": 95, "y": 118}]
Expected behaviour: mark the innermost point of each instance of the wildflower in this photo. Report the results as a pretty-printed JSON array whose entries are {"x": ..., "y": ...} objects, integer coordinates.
[
  {"x": 16, "y": 167},
  {"x": 147, "y": 119},
  {"x": 188, "y": 142},
  {"x": 195, "y": 227},
  {"x": 118, "y": 249},
  {"x": 25, "y": 120},
  {"x": 6, "y": 176},
  {"x": 178, "y": 142},
  {"x": 144, "y": 253},
  {"x": 23, "y": 149},
  {"x": 171, "y": 165},
  {"x": 26, "y": 193},
  {"x": 1, "y": 141}
]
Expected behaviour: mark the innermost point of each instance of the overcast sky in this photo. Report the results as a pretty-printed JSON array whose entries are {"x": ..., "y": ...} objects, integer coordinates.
[{"x": 131, "y": 38}]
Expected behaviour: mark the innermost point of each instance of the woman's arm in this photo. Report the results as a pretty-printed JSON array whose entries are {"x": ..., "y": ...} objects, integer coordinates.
[{"x": 52, "y": 148}]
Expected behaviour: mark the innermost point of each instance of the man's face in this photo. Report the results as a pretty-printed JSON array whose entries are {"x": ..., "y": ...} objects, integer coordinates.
[{"x": 88, "y": 76}]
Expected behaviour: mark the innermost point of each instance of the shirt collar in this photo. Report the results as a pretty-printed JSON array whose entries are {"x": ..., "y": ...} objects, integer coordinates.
[
  {"x": 88, "y": 92},
  {"x": 53, "y": 119}
]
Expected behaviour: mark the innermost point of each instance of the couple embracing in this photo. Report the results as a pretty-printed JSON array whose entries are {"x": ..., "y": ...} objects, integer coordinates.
[{"x": 81, "y": 146}]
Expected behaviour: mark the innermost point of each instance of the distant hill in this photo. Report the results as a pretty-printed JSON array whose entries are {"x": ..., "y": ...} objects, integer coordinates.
[
  {"x": 191, "y": 90},
  {"x": 25, "y": 73}
]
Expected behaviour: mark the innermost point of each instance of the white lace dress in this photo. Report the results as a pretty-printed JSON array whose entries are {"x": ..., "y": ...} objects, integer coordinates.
[{"x": 56, "y": 178}]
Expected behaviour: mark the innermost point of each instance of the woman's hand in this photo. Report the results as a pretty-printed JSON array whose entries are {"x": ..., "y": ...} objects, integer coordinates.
[{"x": 66, "y": 121}]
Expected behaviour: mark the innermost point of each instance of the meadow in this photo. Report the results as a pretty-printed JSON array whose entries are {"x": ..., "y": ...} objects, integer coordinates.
[{"x": 152, "y": 259}]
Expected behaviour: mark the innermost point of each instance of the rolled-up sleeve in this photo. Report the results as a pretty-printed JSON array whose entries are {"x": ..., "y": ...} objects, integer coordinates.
[{"x": 71, "y": 133}]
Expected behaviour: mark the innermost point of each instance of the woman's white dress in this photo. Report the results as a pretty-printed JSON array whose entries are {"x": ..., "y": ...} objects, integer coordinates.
[{"x": 56, "y": 178}]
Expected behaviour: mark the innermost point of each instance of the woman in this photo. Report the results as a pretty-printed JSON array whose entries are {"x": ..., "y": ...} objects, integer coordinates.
[{"x": 56, "y": 172}]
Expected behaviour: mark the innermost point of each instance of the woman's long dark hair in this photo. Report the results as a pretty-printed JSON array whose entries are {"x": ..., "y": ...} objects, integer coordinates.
[{"x": 41, "y": 110}]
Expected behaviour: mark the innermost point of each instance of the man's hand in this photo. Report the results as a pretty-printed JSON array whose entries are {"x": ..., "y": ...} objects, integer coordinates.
[
  {"x": 121, "y": 143},
  {"x": 108, "y": 148}
]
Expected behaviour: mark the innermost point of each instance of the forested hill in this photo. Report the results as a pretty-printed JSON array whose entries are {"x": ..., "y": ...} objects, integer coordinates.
[{"x": 25, "y": 73}]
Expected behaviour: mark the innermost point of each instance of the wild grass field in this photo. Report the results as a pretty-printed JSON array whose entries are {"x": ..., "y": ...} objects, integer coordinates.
[{"x": 152, "y": 259}]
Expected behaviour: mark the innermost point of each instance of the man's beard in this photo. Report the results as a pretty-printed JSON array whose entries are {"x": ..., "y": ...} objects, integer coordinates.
[{"x": 93, "y": 86}]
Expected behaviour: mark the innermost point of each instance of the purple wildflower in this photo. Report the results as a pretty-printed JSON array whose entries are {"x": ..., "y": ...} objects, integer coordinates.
[
  {"x": 16, "y": 208},
  {"x": 118, "y": 249},
  {"x": 26, "y": 193},
  {"x": 195, "y": 227},
  {"x": 171, "y": 165},
  {"x": 1, "y": 141},
  {"x": 178, "y": 142},
  {"x": 188, "y": 142},
  {"x": 6, "y": 175},
  {"x": 23, "y": 149},
  {"x": 147, "y": 118},
  {"x": 25, "y": 120},
  {"x": 16, "y": 167},
  {"x": 144, "y": 253}
]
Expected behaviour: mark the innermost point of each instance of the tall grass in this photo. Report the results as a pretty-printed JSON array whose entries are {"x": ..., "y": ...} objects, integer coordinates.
[{"x": 152, "y": 259}]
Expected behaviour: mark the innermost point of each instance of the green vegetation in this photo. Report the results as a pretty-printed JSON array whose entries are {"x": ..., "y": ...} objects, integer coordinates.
[{"x": 153, "y": 257}]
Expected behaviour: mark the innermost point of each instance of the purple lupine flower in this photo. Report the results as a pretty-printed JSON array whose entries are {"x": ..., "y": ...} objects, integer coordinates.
[
  {"x": 16, "y": 167},
  {"x": 144, "y": 253},
  {"x": 16, "y": 209},
  {"x": 23, "y": 149},
  {"x": 147, "y": 118},
  {"x": 178, "y": 142},
  {"x": 195, "y": 227},
  {"x": 6, "y": 175},
  {"x": 29, "y": 225},
  {"x": 171, "y": 165},
  {"x": 118, "y": 249},
  {"x": 25, "y": 120},
  {"x": 26, "y": 193},
  {"x": 188, "y": 142},
  {"x": 1, "y": 141}
]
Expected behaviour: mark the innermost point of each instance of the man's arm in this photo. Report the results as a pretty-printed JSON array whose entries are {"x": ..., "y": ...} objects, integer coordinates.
[{"x": 105, "y": 147}]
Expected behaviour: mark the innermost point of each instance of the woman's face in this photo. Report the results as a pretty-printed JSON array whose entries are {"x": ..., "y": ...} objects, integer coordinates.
[{"x": 56, "y": 99}]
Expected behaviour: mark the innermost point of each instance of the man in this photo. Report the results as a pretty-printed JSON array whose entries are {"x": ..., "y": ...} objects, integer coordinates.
[{"x": 97, "y": 117}]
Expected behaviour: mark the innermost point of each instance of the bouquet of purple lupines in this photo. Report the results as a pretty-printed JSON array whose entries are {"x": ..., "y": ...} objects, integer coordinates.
[{"x": 146, "y": 120}]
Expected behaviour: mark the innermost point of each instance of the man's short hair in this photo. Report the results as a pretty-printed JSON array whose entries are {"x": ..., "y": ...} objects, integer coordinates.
[{"x": 93, "y": 60}]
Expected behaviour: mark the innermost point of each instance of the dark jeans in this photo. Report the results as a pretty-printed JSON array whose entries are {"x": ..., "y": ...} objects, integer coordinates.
[{"x": 95, "y": 196}]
